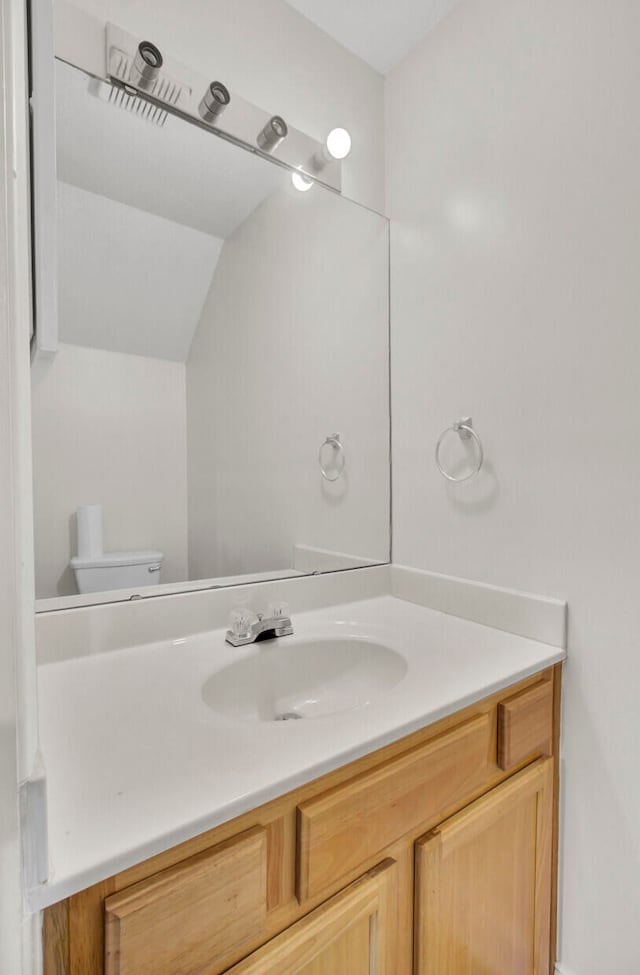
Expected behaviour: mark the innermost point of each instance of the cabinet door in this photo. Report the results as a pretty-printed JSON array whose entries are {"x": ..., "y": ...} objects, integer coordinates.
[
  {"x": 339, "y": 830},
  {"x": 191, "y": 917},
  {"x": 483, "y": 883},
  {"x": 353, "y": 933}
]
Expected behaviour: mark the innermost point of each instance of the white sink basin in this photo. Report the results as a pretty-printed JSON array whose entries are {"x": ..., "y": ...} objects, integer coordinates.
[{"x": 304, "y": 677}]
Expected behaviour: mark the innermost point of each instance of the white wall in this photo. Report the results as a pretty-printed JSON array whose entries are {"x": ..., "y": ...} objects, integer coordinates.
[
  {"x": 513, "y": 162},
  {"x": 292, "y": 346},
  {"x": 109, "y": 428},
  {"x": 273, "y": 56}
]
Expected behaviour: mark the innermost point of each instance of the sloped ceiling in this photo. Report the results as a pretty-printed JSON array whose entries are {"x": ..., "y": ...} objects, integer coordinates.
[
  {"x": 128, "y": 280},
  {"x": 178, "y": 171},
  {"x": 378, "y": 31},
  {"x": 143, "y": 213}
]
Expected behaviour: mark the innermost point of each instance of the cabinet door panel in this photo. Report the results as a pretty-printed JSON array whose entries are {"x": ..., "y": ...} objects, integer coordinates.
[
  {"x": 342, "y": 829},
  {"x": 185, "y": 919},
  {"x": 483, "y": 883},
  {"x": 525, "y": 725},
  {"x": 349, "y": 953},
  {"x": 352, "y": 933}
]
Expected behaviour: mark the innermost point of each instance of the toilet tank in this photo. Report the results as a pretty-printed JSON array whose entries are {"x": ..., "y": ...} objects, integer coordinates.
[{"x": 117, "y": 570}]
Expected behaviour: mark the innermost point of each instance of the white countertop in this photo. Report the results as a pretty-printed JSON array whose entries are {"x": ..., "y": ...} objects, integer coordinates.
[{"x": 136, "y": 762}]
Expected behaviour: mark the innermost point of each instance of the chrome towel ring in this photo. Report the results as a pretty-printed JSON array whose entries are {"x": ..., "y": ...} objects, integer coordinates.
[
  {"x": 464, "y": 429},
  {"x": 332, "y": 470}
]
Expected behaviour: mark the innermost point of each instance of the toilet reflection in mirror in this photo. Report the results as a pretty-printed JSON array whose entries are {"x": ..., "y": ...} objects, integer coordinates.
[
  {"x": 98, "y": 571},
  {"x": 215, "y": 325}
]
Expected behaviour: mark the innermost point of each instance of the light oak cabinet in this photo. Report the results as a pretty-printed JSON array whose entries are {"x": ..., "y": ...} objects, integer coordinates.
[
  {"x": 353, "y": 932},
  {"x": 162, "y": 926},
  {"x": 433, "y": 856},
  {"x": 483, "y": 879},
  {"x": 346, "y": 826}
]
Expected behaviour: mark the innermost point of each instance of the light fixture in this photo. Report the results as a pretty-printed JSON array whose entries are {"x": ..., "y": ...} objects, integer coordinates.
[
  {"x": 270, "y": 137},
  {"x": 338, "y": 143},
  {"x": 336, "y": 148},
  {"x": 301, "y": 182},
  {"x": 214, "y": 101},
  {"x": 146, "y": 65}
]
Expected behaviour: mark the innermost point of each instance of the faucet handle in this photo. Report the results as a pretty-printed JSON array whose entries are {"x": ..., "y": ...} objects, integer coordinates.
[
  {"x": 275, "y": 610},
  {"x": 242, "y": 619}
]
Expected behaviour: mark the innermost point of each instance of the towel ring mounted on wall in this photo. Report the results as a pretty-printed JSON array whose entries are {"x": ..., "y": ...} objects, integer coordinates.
[
  {"x": 335, "y": 470},
  {"x": 464, "y": 429}
]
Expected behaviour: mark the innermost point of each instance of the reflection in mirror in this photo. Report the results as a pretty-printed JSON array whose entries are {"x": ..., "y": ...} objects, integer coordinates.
[{"x": 216, "y": 327}]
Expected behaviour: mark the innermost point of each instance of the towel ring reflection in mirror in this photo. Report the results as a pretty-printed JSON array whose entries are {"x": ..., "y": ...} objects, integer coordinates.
[
  {"x": 464, "y": 429},
  {"x": 333, "y": 468}
]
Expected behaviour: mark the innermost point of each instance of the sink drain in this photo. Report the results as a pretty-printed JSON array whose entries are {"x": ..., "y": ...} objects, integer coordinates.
[{"x": 288, "y": 716}]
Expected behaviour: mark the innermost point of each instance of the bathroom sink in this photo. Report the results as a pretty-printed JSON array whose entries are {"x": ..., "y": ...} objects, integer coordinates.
[{"x": 298, "y": 677}]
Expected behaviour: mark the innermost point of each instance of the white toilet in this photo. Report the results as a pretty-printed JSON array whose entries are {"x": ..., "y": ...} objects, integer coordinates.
[{"x": 117, "y": 570}]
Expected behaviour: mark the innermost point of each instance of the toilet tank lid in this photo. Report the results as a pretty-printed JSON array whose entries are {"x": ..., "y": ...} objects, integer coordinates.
[{"x": 108, "y": 559}]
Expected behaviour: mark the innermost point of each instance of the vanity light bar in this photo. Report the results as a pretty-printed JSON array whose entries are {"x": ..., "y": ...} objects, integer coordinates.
[{"x": 147, "y": 73}]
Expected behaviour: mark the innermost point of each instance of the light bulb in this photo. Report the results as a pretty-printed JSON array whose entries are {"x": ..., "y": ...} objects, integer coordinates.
[
  {"x": 146, "y": 65},
  {"x": 270, "y": 137},
  {"x": 214, "y": 101},
  {"x": 338, "y": 143},
  {"x": 301, "y": 182}
]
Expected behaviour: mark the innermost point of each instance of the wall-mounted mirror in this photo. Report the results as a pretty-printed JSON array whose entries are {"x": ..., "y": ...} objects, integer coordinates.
[{"x": 217, "y": 329}]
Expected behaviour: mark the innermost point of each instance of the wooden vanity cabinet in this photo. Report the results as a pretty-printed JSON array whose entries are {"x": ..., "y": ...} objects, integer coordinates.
[
  {"x": 483, "y": 882},
  {"x": 156, "y": 924},
  {"x": 353, "y": 932},
  {"x": 432, "y": 856}
]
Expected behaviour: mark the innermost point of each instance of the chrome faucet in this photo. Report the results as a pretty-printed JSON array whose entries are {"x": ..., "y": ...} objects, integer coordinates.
[{"x": 248, "y": 627}]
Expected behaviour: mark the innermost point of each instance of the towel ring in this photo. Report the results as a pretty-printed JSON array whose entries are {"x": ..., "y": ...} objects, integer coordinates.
[
  {"x": 332, "y": 474},
  {"x": 464, "y": 429}
]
